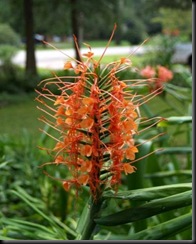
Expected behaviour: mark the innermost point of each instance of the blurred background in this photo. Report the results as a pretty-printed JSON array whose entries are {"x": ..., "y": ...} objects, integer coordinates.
[
  {"x": 24, "y": 24},
  {"x": 25, "y": 60}
]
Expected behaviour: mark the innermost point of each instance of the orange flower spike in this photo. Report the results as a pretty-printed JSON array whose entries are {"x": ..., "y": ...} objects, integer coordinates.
[{"x": 96, "y": 120}]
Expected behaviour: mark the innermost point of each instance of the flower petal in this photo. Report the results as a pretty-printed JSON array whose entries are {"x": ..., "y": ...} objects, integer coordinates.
[
  {"x": 87, "y": 123},
  {"x": 128, "y": 168},
  {"x": 66, "y": 185},
  {"x": 83, "y": 179}
]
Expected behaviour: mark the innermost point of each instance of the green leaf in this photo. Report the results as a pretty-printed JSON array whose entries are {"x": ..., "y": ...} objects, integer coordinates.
[
  {"x": 25, "y": 224},
  {"x": 56, "y": 224},
  {"x": 147, "y": 210},
  {"x": 174, "y": 120},
  {"x": 170, "y": 173},
  {"x": 137, "y": 180},
  {"x": 2, "y": 165},
  {"x": 175, "y": 150},
  {"x": 166, "y": 229},
  {"x": 86, "y": 224},
  {"x": 159, "y": 232},
  {"x": 6, "y": 238},
  {"x": 13, "y": 227},
  {"x": 150, "y": 193},
  {"x": 177, "y": 95},
  {"x": 84, "y": 218}
]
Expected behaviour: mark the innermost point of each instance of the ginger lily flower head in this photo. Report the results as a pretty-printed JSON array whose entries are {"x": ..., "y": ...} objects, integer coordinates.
[
  {"x": 156, "y": 76},
  {"x": 96, "y": 117}
]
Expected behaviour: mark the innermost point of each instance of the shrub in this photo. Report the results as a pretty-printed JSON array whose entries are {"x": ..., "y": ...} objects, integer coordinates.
[
  {"x": 9, "y": 41},
  {"x": 135, "y": 33},
  {"x": 163, "y": 50},
  {"x": 6, "y": 53},
  {"x": 8, "y": 35}
]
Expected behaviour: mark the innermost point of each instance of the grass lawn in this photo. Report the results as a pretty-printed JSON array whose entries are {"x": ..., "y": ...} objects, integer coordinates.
[
  {"x": 17, "y": 113},
  {"x": 135, "y": 59}
]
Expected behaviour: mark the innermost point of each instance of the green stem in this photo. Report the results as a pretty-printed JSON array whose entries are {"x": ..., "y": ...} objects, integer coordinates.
[{"x": 90, "y": 212}]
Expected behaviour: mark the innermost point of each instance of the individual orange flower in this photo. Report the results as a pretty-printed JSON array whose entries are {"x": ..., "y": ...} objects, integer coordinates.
[
  {"x": 87, "y": 123},
  {"x": 125, "y": 61},
  {"x": 86, "y": 150},
  {"x": 86, "y": 166},
  {"x": 83, "y": 179},
  {"x": 66, "y": 185},
  {"x": 68, "y": 65},
  {"x": 128, "y": 168},
  {"x": 130, "y": 152},
  {"x": 88, "y": 55}
]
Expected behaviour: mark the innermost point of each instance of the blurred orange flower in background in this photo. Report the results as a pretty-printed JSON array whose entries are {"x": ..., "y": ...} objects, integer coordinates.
[{"x": 156, "y": 76}]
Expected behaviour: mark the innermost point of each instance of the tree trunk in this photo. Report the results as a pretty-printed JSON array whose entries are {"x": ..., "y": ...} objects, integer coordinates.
[
  {"x": 30, "y": 66},
  {"x": 75, "y": 25},
  {"x": 118, "y": 14}
]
